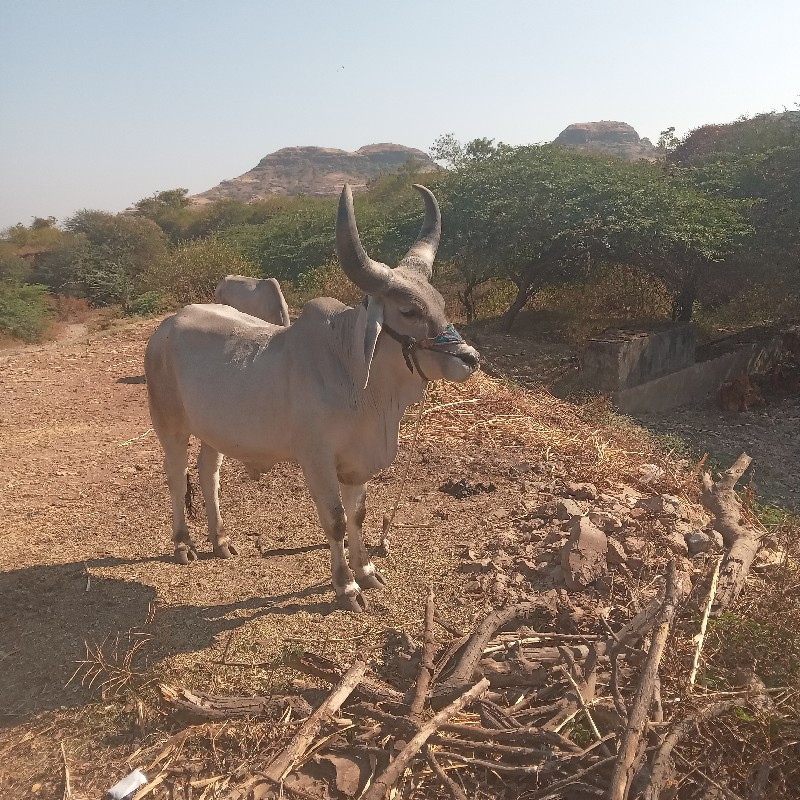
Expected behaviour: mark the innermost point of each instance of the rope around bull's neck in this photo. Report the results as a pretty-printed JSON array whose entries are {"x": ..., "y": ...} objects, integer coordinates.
[{"x": 388, "y": 519}]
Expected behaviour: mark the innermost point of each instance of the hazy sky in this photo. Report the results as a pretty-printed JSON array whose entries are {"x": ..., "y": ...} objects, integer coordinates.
[{"x": 103, "y": 102}]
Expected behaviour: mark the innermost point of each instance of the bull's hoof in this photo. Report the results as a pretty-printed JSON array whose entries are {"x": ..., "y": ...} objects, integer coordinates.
[
  {"x": 184, "y": 553},
  {"x": 356, "y": 603},
  {"x": 225, "y": 550},
  {"x": 374, "y": 581}
]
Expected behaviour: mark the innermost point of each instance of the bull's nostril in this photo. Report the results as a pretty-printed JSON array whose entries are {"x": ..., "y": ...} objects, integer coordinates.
[{"x": 469, "y": 359}]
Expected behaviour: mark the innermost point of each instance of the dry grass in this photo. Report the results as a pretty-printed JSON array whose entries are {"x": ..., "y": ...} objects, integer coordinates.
[{"x": 588, "y": 442}]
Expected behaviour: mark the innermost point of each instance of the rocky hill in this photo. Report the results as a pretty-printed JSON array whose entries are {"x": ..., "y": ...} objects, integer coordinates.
[
  {"x": 316, "y": 171},
  {"x": 610, "y": 138}
]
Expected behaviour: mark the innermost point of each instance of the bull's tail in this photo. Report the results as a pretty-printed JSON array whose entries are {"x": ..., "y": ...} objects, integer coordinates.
[{"x": 187, "y": 499}]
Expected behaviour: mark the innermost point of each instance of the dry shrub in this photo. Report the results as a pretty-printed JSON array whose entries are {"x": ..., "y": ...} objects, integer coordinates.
[
  {"x": 760, "y": 304},
  {"x": 613, "y": 293},
  {"x": 590, "y": 440},
  {"x": 192, "y": 271},
  {"x": 71, "y": 309}
]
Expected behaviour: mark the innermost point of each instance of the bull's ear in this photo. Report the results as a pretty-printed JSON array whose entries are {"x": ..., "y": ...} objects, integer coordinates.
[{"x": 373, "y": 330}]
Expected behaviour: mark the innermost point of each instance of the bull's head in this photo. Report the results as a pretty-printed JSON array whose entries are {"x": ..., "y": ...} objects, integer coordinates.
[{"x": 401, "y": 302}]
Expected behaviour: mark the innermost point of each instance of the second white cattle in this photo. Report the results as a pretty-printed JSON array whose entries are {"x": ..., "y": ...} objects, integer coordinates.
[{"x": 259, "y": 298}]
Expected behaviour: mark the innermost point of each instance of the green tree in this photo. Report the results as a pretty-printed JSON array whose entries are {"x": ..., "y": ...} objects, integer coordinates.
[
  {"x": 104, "y": 256},
  {"x": 544, "y": 214}
]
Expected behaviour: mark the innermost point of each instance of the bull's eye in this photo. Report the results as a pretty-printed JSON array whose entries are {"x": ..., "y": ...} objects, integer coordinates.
[{"x": 411, "y": 313}]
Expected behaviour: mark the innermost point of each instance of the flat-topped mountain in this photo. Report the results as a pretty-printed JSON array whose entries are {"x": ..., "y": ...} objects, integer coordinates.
[
  {"x": 316, "y": 171},
  {"x": 610, "y": 138}
]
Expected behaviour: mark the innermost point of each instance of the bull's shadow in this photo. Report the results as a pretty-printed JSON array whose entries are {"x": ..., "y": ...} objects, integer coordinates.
[{"x": 47, "y": 614}]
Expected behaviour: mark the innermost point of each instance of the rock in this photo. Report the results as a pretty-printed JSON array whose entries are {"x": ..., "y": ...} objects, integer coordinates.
[
  {"x": 605, "y": 521},
  {"x": 566, "y": 509},
  {"x": 616, "y": 139},
  {"x": 698, "y": 542},
  {"x": 718, "y": 540},
  {"x": 662, "y": 505},
  {"x": 616, "y": 554},
  {"x": 676, "y": 542},
  {"x": 583, "y": 557},
  {"x": 634, "y": 545},
  {"x": 582, "y": 491}
]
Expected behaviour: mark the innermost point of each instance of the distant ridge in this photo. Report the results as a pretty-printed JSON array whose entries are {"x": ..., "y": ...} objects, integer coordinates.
[
  {"x": 316, "y": 171},
  {"x": 609, "y": 138}
]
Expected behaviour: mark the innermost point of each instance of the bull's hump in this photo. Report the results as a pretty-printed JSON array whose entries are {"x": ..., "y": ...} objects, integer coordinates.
[
  {"x": 221, "y": 318},
  {"x": 323, "y": 308}
]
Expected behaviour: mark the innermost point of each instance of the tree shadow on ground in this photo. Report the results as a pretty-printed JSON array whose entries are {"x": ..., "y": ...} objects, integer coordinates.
[{"x": 49, "y": 613}]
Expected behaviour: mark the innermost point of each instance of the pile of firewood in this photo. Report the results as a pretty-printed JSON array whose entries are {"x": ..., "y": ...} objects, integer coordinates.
[{"x": 513, "y": 703}]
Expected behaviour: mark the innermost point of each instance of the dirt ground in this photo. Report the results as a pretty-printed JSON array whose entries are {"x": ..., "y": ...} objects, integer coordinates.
[{"x": 85, "y": 552}]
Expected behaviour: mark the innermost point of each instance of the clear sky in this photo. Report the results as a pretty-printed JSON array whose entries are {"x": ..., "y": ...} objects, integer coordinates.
[{"x": 103, "y": 102}]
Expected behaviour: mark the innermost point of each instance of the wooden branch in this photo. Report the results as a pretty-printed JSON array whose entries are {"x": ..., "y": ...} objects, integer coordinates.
[
  {"x": 284, "y": 762},
  {"x": 426, "y": 666},
  {"x": 741, "y": 538},
  {"x": 456, "y": 792},
  {"x": 467, "y": 666},
  {"x": 384, "y": 782},
  {"x": 662, "y": 770},
  {"x": 209, "y": 706},
  {"x": 624, "y": 766},
  {"x": 471, "y": 734},
  {"x": 327, "y": 670},
  {"x": 583, "y": 694}
]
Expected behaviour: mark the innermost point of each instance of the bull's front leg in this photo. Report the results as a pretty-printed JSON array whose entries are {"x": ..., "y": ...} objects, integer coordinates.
[
  {"x": 354, "y": 498},
  {"x": 208, "y": 463},
  {"x": 324, "y": 488}
]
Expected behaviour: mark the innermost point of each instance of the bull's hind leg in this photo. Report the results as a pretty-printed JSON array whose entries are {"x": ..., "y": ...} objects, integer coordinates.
[
  {"x": 208, "y": 463},
  {"x": 324, "y": 488},
  {"x": 176, "y": 461},
  {"x": 354, "y": 499}
]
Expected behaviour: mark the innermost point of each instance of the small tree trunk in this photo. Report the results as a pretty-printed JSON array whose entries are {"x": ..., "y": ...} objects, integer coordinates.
[
  {"x": 683, "y": 302},
  {"x": 467, "y": 298},
  {"x": 523, "y": 295}
]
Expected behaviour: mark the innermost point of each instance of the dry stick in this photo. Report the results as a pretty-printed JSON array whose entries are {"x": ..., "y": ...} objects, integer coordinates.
[
  {"x": 456, "y": 792},
  {"x": 384, "y": 782},
  {"x": 585, "y": 709},
  {"x": 67, "y": 788},
  {"x": 471, "y": 654},
  {"x": 637, "y": 722},
  {"x": 325, "y": 669},
  {"x": 741, "y": 539},
  {"x": 388, "y": 519},
  {"x": 310, "y": 728},
  {"x": 731, "y": 795},
  {"x": 704, "y": 624},
  {"x": 662, "y": 770},
  {"x": 426, "y": 666}
]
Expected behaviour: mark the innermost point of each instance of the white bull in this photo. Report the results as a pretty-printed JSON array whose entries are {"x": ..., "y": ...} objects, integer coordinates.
[
  {"x": 328, "y": 392},
  {"x": 259, "y": 298}
]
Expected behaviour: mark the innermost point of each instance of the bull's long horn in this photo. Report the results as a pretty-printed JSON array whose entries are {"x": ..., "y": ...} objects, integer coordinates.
[
  {"x": 423, "y": 252},
  {"x": 371, "y": 276}
]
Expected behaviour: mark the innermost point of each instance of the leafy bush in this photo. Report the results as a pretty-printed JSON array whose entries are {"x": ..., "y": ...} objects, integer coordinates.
[
  {"x": 147, "y": 304},
  {"x": 24, "y": 312},
  {"x": 192, "y": 271}
]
